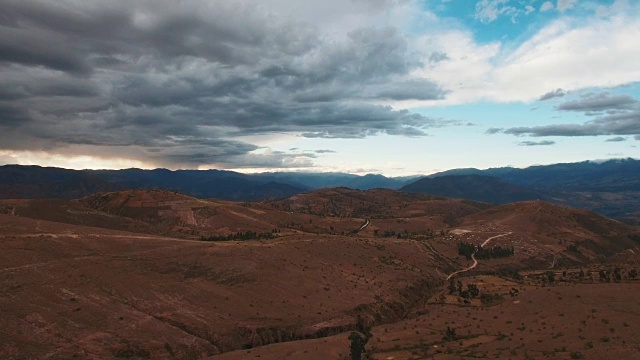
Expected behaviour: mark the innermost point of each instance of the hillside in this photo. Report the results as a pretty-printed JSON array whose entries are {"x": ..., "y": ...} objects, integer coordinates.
[
  {"x": 588, "y": 176},
  {"x": 162, "y": 275},
  {"x": 569, "y": 235},
  {"x": 474, "y": 187},
  {"x": 375, "y": 203},
  {"x": 611, "y": 188}
]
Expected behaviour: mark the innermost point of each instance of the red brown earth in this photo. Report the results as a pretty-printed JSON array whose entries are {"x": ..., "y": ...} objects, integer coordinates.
[{"x": 125, "y": 275}]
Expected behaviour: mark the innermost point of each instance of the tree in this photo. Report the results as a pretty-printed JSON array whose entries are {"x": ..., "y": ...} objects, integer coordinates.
[
  {"x": 604, "y": 275},
  {"x": 633, "y": 273},
  {"x": 358, "y": 343},
  {"x": 359, "y": 339},
  {"x": 450, "y": 334},
  {"x": 473, "y": 290},
  {"x": 452, "y": 286},
  {"x": 617, "y": 276},
  {"x": 551, "y": 276}
]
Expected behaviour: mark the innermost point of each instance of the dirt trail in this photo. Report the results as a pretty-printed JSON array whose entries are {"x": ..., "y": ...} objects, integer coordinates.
[
  {"x": 473, "y": 256},
  {"x": 364, "y": 226}
]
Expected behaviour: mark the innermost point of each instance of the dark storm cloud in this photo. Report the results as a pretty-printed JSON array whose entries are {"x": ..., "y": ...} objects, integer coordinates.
[
  {"x": 536, "y": 143},
  {"x": 616, "y": 139},
  {"x": 11, "y": 116},
  {"x": 179, "y": 80},
  {"x": 552, "y": 94},
  {"x": 599, "y": 102}
]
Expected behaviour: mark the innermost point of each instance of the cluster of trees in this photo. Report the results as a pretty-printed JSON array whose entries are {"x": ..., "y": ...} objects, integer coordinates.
[
  {"x": 359, "y": 339},
  {"x": 246, "y": 235},
  {"x": 470, "y": 292},
  {"x": 616, "y": 274},
  {"x": 428, "y": 234},
  {"x": 467, "y": 250}
]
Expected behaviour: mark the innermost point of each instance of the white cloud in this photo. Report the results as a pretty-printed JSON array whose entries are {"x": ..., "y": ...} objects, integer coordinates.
[
  {"x": 487, "y": 11},
  {"x": 564, "y": 5},
  {"x": 546, "y": 6},
  {"x": 529, "y": 9},
  {"x": 564, "y": 54}
]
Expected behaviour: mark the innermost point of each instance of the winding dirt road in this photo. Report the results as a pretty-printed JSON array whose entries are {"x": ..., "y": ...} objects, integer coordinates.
[
  {"x": 364, "y": 226},
  {"x": 473, "y": 256}
]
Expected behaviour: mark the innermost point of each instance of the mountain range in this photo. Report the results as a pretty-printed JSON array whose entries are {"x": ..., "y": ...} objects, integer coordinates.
[{"x": 611, "y": 188}]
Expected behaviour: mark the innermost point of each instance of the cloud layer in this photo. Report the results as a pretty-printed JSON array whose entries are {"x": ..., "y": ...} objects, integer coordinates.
[
  {"x": 613, "y": 115},
  {"x": 189, "y": 83},
  {"x": 176, "y": 83}
]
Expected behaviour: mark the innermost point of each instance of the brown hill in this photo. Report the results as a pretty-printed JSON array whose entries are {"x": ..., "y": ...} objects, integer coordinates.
[
  {"x": 565, "y": 234},
  {"x": 86, "y": 291},
  {"x": 376, "y": 203},
  {"x": 94, "y": 293},
  {"x": 74, "y": 213}
]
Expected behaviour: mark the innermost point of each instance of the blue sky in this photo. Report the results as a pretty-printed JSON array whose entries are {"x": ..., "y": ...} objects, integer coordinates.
[{"x": 396, "y": 87}]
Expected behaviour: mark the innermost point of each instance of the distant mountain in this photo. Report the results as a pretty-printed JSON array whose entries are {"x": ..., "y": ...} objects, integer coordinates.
[
  {"x": 329, "y": 180},
  {"x": 611, "y": 188},
  {"x": 45, "y": 182},
  {"x": 474, "y": 187},
  {"x": 606, "y": 176}
]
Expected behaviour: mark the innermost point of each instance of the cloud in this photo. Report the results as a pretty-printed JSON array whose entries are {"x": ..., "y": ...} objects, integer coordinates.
[
  {"x": 437, "y": 57},
  {"x": 546, "y": 6},
  {"x": 637, "y": 137},
  {"x": 177, "y": 83},
  {"x": 614, "y": 115},
  {"x": 536, "y": 143},
  {"x": 616, "y": 139},
  {"x": 561, "y": 54},
  {"x": 324, "y": 151},
  {"x": 187, "y": 83},
  {"x": 492, "y": 131},
  {"x": 564, "y": 5},
  {"x": 487, "y": 11},
  {"x": 595, "y": 102},
  {"x": 627, "y": 123},
  {"x": 552, "y": 94}
]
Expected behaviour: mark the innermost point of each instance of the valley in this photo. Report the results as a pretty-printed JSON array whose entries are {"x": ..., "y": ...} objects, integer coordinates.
[{"x": 160, "y": 275}]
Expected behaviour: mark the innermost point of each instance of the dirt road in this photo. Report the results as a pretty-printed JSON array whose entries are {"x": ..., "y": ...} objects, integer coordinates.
[{"x": 473, "y": 256}]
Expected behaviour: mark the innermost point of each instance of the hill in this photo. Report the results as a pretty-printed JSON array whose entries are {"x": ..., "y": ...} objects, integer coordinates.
[
  {"x": 594, "y": 176},
  {"x": 565, "y": 235},
  {"x": 611, "y": 188},
  {"x": 375, "y": 203},
  {"x": 159, "y": 274},
  {"x": 474, "y": 187}
]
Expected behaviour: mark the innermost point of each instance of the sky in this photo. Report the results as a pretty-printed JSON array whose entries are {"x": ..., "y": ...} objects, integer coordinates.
[{"x": 396, "y": 87}]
